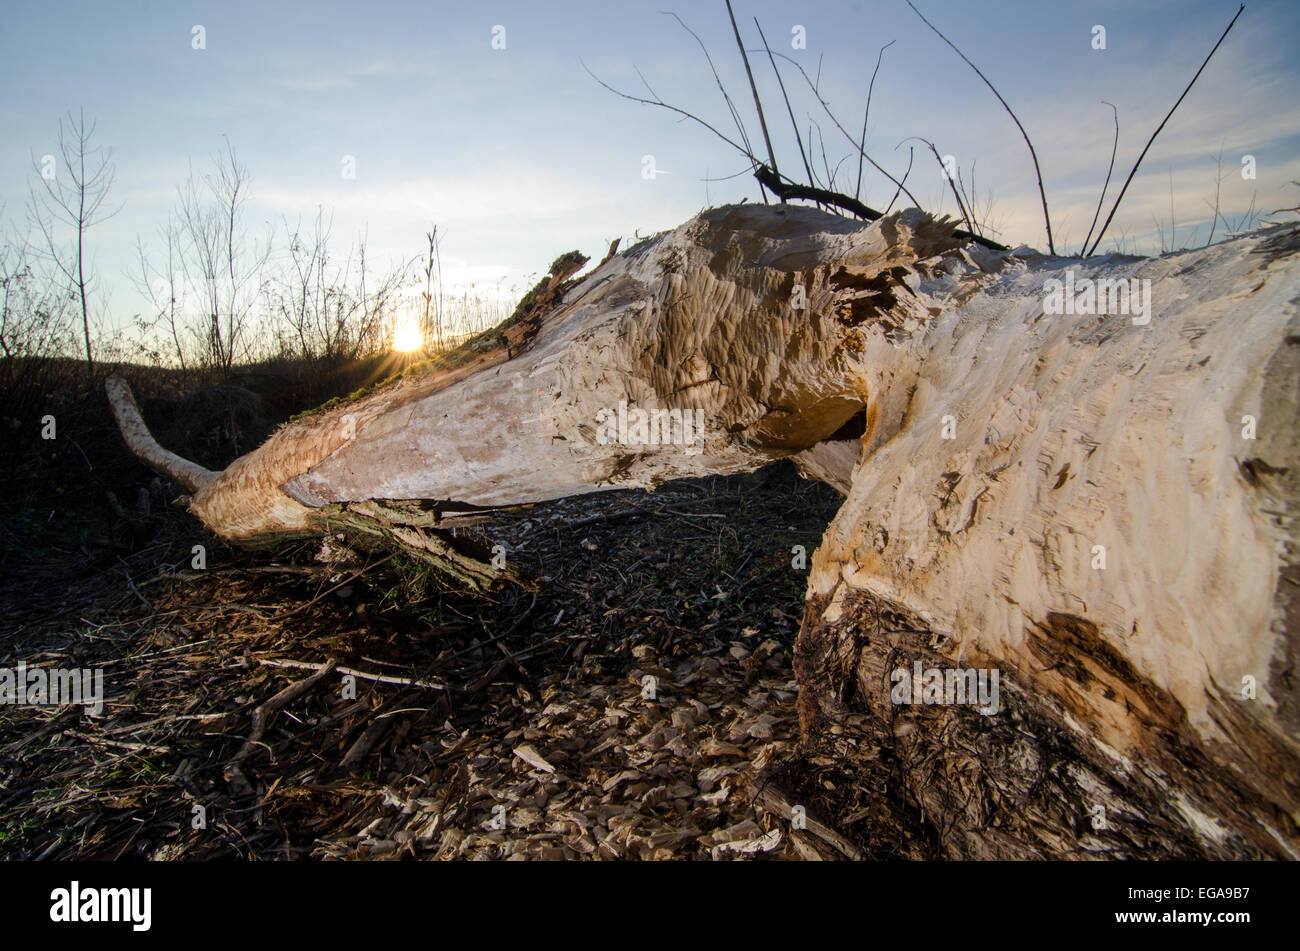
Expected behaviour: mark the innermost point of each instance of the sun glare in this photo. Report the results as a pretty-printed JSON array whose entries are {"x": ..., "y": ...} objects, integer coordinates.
[{"x": 407, "y": 337}]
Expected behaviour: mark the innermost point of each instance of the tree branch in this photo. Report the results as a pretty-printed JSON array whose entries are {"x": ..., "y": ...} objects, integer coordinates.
[
  {"x": 852, "y": 141},
  {"x": 785, "y": 189},
  {"x": 144, "y": 447}
]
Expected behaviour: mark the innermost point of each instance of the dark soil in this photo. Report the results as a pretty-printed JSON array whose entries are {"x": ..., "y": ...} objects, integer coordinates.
[{"x": 635, "y": 706}]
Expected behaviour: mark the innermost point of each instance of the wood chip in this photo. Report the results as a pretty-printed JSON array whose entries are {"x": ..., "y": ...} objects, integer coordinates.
[{"x": 534, "y": 759}]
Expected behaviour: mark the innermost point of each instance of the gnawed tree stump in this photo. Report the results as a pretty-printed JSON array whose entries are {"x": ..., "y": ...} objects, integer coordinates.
[{"x": 1100, "y": 508}]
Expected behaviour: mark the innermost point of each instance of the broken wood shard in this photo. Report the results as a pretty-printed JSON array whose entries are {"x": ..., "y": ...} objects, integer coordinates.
[{"x": 1099, "y": 507}]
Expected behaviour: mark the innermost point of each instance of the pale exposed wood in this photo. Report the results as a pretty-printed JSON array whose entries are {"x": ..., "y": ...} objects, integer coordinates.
[
  {"x": 978, "y": 552},
  {"x": 142, "y": 444},
  {"x": 966, "y": 541},
  {"x": 353, "y": 672},
  {"x": 700, "y": 318}
]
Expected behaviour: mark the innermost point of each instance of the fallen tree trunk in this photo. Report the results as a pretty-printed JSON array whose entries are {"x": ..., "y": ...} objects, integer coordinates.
[{"x": 1097, "y": 507}]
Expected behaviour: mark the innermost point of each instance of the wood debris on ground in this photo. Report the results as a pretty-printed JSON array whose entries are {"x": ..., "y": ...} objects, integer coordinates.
[{"x": 641, "y": 705}]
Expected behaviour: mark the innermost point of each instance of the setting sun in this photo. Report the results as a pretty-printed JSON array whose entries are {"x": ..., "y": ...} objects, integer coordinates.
[{"x": 407, "y": 337}]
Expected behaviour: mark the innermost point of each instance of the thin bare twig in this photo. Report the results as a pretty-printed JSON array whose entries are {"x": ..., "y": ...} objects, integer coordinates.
[
  {"x": 1147, "y": 147},
  {"x": 862, "y": 144},
  {"x": 815, "y": 180},
  {"x": 798, "y": 140},
  {"x": 961, "y": 206},
  {"x": 1047, "y": 218},
  {"x": 821, "y": 141},
  {"x": 1113, "y": 146},
  {"x": 352, "y": 672},
  {"x": 852, "y": 141},
  {"x": 731, "y": 106},
  {"x": 1218, "y": 187},
  {"x": 1173, "y": 221},
  {"x": 263, "y": 714},
  {"x": 671, "y": 108},
  {"x": 1279, "y": 211},
  {"x": 910, "y": 155},
  {"x": 969, "y": 197},
  {"x": 758, "y": 103}
]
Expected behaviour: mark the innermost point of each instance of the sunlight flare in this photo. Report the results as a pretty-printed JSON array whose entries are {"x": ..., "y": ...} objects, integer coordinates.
[{"x": 407, "y": 336}]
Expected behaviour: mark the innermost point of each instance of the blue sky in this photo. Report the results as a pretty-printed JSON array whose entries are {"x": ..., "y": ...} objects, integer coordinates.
[{"x": 518, "y": 155}]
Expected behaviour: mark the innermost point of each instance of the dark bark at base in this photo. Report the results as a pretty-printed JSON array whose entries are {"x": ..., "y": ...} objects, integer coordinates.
[{"x": 950, "y": 782}]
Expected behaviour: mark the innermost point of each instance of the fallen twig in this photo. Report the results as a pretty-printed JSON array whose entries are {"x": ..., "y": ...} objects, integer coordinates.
[
  {"x": 365, "y": 743},
  {"x": 778, "y": 804},
  {"x": 352, "y": 672},
  {"x": 263, "y": 714},
  {"x": 118, "y": 744}
]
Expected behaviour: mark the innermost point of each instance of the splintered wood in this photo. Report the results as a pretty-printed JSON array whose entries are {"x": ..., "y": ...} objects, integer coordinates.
[{"x": 1097, "y": 501}]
